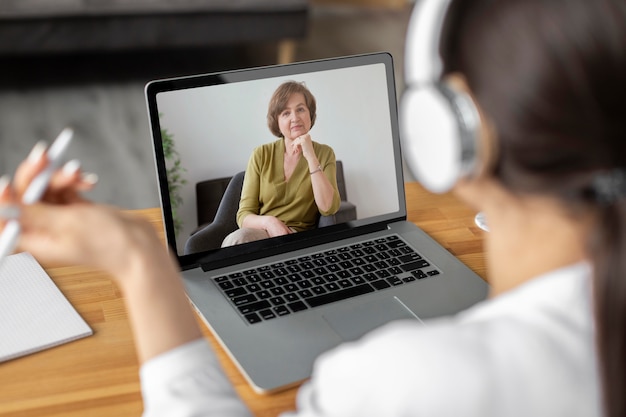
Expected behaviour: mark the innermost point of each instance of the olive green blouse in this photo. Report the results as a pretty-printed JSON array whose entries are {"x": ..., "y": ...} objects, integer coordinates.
[{"x": 265, "y": 191}]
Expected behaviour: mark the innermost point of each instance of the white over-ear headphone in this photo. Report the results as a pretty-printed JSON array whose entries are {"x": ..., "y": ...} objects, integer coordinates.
[{"x": 440, "y": 124}]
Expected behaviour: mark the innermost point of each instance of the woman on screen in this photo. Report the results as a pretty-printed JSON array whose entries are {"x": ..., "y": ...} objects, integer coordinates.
[
  {"x": 291, "y": 182},
  {"x": 548, "y": 77}
]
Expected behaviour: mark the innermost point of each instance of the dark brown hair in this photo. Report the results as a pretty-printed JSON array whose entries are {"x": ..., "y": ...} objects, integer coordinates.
[
  {"x": 551, "y": 75},
  {"x": 279, "y": 100}
]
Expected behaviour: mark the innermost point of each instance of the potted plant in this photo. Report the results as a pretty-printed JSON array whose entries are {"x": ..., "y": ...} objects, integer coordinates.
[{"x": 175, "y": 178}]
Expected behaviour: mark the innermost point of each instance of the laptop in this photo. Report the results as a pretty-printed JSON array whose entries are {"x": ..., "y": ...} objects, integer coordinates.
[{"x": 277, "y": 304}]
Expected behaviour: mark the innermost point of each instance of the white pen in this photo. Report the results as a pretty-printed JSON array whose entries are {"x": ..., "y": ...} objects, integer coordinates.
[{"x": 35, "y": 189}]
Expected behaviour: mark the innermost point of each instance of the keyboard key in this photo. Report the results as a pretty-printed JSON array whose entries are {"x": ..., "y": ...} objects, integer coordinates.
[
  {"x": 419, "y": 274},
  {"x": 382, "y": 274},
  {"x": 267, "y": 284},
  {"x": 409, "y": 258},
  {"x": 344, "y": 283},
  {"x": 277, "y": 291},
  {"x": 305, "y": 284},
  {"x": 320, "y": 271},
  {"x": 244, "y": 299},
  {"x": 318, "y": 281},
  {"x": 254, "y": 278},
  {"x": 267, "y": 314},
  {"x": 252, "y": 318},
  {"x": 281, "y": 271},
  {"x": 240, "y": 282},
  {"x": 251, "y": 308},
  {"x": 380, "y": 284},
  {"x": 331, "y": 278},
  {"x": 320, "y": 262},
  {"x": 226, "y": 285},
  {"x": 357, "y": 271},
  {"x": 381, "y": 265},
  {"x": 282, "y": 310},
  {"x": 294, "y": 277},
  {"x": 277, "y": 301},
  {"x": 290, "y": 297},
  {"x": 339, "y": 295},
  {"x": 370, "y": 277},
  {"x": 395, "y": 270},
  {"x": 358, "y": 261},
  {"x": 318, "y": 290},
  {"x": 305, "y": 293},
  {"x": 358, "y": 280},
  {"x": 346, "y": 264},
  {"x": 394, "y": 280},
  {"x": 264, "y": 294},
  {"x": 291, "y": 287},
  {"x": 297, "y": 306},
  {"x": 281, "y": 281},
  {"x": 433, "y": 273},
  {"x": 267, "y": 275},
  {"x": 415, "y": 265},
  {"x": 235, "y": 292}
]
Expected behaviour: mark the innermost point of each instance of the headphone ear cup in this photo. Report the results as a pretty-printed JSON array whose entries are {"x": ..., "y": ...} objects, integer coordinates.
[{"x": 430, "y": 138}]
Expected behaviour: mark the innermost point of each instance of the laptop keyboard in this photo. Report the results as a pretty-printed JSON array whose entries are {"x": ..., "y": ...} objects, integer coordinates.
[{"x": 297, "y": 284}]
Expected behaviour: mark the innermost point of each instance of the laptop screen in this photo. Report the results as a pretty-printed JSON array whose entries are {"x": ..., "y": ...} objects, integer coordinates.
[{"x": 206, "y": 127}]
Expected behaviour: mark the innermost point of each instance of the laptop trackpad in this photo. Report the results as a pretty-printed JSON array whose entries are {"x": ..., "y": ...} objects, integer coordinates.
[{"x": 352, "y": 322}]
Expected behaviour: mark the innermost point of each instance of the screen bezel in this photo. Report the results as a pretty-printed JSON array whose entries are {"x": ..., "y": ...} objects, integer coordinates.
[{"x": 268, "y": 247}]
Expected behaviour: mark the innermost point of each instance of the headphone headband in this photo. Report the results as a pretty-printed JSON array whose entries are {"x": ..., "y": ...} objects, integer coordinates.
[
  {"x": 441, "y": 124},
  {"x": 423, "y": 38}
]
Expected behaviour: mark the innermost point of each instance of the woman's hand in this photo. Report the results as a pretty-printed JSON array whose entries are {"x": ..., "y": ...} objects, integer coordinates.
[
  {"x": 65, "y": 228},
  {"x": 304, "y": 144},
  {"x": 274, "y": 227}
]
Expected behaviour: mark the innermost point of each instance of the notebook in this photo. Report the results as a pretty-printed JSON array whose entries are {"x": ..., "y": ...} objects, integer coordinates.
[
  {"x": 278, "y": 303},
  {"x": 34, "y": 314}
]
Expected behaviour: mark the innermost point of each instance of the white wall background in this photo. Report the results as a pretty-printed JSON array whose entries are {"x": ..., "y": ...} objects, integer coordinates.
[{"x": 216, "y": 128}]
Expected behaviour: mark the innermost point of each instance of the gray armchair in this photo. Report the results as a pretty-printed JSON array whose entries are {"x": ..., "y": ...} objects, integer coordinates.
[{"x": 217, "y": 202}]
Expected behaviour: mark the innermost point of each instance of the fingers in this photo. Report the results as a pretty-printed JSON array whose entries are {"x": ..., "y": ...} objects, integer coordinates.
[
  {"x": 8, "y": 209},
  {"x": 66, "y": 184},
  {"x": 30, "y": 167}
]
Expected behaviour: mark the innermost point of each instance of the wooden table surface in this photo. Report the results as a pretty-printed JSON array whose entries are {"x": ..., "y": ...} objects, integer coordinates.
[{"x": 98, "y": 375}]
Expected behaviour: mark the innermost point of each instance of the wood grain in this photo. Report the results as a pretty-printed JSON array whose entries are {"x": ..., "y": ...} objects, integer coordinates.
[{"x": 98, "y": 376}]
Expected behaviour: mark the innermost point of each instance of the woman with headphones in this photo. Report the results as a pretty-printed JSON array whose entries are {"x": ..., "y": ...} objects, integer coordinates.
[{"x": 517, "y": 106}]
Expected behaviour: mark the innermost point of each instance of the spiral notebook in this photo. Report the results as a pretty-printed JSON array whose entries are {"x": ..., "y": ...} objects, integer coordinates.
[{"x": 34, "y": 314}]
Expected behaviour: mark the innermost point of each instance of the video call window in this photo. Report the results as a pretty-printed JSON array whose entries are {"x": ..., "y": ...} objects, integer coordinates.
[{"x": 214, "y": 130}]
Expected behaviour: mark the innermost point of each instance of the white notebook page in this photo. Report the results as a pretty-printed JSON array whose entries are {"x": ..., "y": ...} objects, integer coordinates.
[{"x": 34, "y": 314}]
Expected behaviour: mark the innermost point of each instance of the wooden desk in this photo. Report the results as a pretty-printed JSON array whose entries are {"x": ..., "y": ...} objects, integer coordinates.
[{"x": 98, "y": 376}]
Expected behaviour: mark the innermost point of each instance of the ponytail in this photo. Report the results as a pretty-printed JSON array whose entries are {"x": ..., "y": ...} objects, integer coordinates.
[{"x": 608, "y": 251}]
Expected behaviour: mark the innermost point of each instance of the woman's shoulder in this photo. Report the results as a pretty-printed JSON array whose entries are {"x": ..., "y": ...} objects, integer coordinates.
[
  {"x": 268, "y": 148},
  {"x": 322, "y": 149}
]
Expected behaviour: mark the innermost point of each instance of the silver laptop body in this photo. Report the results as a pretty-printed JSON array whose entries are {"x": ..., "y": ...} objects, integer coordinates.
[{"x": 213, "y": 122}]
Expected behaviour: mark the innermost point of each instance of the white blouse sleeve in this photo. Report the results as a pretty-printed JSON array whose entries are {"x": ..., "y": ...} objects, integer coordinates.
[{"x": 188, "y": 381}]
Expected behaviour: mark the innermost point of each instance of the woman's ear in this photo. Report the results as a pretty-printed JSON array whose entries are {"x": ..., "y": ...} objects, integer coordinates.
[{"x": 487, "y": 146}]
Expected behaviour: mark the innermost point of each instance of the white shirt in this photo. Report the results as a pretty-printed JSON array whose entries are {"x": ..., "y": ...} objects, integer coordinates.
[{"x": 528, "y": 352}]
